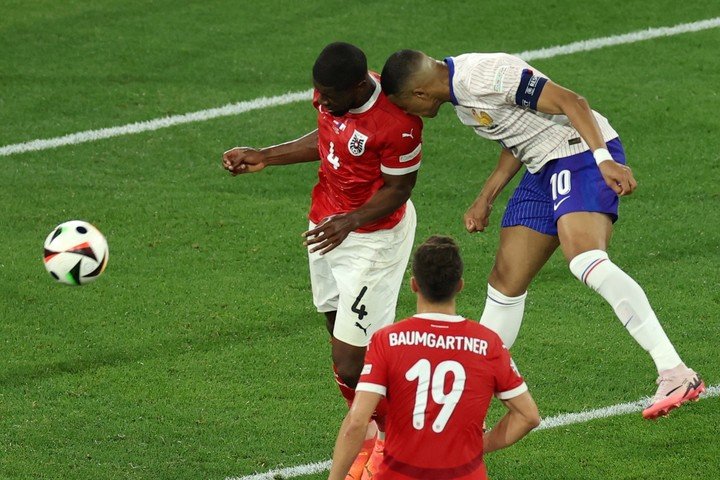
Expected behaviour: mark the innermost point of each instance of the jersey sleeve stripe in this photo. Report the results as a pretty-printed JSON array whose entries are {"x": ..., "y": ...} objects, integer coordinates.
[
  {"x": 371, "y": 387},
  {"x": 522, "y": 388},
  {"x": 399, "y": 171},
  {"x": 409, "y": 156}
]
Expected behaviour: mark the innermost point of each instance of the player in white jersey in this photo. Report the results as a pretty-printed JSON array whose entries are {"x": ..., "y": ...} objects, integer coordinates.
[{"x": 568, "y": 197}]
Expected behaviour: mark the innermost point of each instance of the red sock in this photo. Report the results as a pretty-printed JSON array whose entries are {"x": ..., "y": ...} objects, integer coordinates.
[
  {"x": 349, "y": 395},
  {"x": 347, "y": 392}
]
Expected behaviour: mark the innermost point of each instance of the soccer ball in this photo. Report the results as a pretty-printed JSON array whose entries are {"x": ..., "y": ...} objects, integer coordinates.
[{"x": 76, "y": 253}]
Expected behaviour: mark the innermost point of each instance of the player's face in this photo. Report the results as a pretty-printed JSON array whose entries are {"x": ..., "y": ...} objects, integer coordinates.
[
  {"x": 336, "y": 102},
  {"x": 416, "y": 104}
]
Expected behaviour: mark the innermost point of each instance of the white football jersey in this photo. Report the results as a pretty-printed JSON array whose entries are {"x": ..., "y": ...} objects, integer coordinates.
[{"x": 496, "y": 94}]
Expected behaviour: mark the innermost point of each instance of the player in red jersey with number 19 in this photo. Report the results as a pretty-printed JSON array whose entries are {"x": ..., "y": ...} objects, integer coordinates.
[
  {"x": 439, "y": 372},
  {"x": 362, "y": 223}
]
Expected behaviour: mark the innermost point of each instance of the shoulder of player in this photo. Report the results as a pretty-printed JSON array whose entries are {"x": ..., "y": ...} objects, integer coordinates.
[
  {"x": 487, "y": 60},
  {"x": 472, "y": 68}
]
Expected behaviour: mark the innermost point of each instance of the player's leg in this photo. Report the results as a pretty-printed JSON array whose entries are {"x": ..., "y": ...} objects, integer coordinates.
[
  {"x": 325, "y": 298},
  {"x": 369, "y": 270},
  {"x": 521, "y": 254},
  {"x": 527, "y": 240},
  {"x": 584, "y": 237},
  {"x": 326, "y": 295}
]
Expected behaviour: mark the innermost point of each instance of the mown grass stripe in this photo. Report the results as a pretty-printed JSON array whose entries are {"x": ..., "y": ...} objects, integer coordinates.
[
  {"x": 556, "y": 421},
  {"x": 291, "y": 97}
]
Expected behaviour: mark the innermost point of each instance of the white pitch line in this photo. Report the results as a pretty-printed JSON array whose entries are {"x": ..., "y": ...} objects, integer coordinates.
[
  {"x": 156, "y": 124},
  {"x": 265, "y": 102},
  {"x": 560, "y": 420},
  {"x": 632, "y": 37},
  {"x": 290, "y": 472},
  {"x": 612, "y": 411}
]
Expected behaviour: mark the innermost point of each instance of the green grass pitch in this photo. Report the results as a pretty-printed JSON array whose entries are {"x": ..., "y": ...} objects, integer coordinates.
[{"x": 198, "y": 354}]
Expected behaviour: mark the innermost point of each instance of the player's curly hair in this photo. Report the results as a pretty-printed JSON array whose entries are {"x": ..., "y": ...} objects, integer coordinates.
[
  {"x": 438, "y": 268},
  {"x": 398, "y": 69},
  {"x": 340, "y": 66}
]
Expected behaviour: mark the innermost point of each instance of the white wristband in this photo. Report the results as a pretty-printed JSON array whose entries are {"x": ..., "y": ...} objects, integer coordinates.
[{"x": 601, "y": 154}]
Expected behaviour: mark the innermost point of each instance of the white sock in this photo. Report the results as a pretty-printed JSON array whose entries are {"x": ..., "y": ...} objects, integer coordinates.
[
  {"x": 503, "y": 315},
  {"x": 631, "y": 306}
]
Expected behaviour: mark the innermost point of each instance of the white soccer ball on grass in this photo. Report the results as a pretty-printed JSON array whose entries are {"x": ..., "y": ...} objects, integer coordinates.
[{"x": 75, "y": 253}]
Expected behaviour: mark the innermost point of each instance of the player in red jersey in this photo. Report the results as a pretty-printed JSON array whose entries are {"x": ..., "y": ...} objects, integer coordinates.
[
  {"x": 439, "y": 372},
  {"x": 362, "y": 223}
]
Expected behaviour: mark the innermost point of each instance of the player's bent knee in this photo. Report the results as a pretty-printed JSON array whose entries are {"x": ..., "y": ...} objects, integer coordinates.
[
  {"x": 348, "y": 360},
  {"x": 330, "y": 321},
  {"x": 348, "y": 372},
  {"x": 507, "y": 284},
  {"x": 583, "y": 264}
]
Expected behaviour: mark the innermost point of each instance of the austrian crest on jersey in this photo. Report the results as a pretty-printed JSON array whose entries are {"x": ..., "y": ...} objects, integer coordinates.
[{"x": 356, "y": 144}]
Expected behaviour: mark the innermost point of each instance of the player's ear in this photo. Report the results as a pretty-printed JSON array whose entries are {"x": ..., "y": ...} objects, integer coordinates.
[
  {"x": 360, "y": 86},
  {"x": 414, "y": 285},
  {"x": 460, "y": 286},
  {"x": 420, "y": 93}
]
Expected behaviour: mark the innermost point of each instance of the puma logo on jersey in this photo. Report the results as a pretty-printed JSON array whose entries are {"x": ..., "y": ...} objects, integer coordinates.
[
  {"x": 364, "y": 329},
  {"x": 409, "y": 135}
]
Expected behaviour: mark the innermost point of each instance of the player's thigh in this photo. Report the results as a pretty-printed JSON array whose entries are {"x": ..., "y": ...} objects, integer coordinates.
[
  {"x": 583, "y": 231},
  {"x": 584, "y": 206},
  {"x": 322, "y": 282},
  {"x": 369, "y": 269},
  {"x": 520, "y": 256}
]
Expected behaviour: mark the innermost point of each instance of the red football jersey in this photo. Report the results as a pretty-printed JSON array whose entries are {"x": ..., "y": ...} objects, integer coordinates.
[
  {"x": 438, "y": 373},
  {"x": 356, "y": 149}
]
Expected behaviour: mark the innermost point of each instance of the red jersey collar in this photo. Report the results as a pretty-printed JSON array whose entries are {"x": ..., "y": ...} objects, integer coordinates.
[{"x": 371, "y": 101}]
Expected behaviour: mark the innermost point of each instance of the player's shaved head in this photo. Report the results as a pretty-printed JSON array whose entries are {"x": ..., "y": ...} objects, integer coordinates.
[
  {"x": 340, "y": 66},
  {"x": 415, "y": 82},
  {"x": 400, "y": 68},
  {"x": 438, "y": 268}
]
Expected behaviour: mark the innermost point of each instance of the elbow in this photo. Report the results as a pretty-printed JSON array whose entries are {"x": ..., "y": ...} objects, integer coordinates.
[
  {"x": 532, "y": 418},
  {"x": 401, "y": 193},
  {"x": 534, "y": 421},
  {"x": 355, "y": 425},
  {"x": 581, "y": 103}
]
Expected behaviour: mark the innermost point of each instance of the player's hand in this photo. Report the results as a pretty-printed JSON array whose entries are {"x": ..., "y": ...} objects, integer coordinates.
[
  {"x": 477, "y": 217},
  {"x": 330, "y": 233},
  {"x": 618, "y": 177},
  {"x": 243, "y": 160}
]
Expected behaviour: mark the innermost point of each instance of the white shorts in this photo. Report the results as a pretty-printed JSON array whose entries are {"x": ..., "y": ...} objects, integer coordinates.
[{"x": 361, "y": 279}]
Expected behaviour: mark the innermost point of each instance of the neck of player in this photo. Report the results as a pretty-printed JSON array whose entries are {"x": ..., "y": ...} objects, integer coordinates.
[
  {"x": 440, "y": 88},
  {"x": 365, "y": 94},
  {"x": 425, "y": 306}
]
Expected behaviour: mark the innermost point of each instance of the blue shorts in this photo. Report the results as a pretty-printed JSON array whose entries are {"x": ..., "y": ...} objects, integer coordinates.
[{"x": 564, "y": 185}]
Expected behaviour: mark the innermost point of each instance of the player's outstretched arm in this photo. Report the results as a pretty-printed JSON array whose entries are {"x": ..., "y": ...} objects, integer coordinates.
[
  {"x": 392, "y": 195},
  {"x": 557, "y": 100},
  {"x": 477, "y": 217},
  {"x": 521, "y": 418},
  {"x": 352, "y": 433},
  {"x": 250, "y": 160}
]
